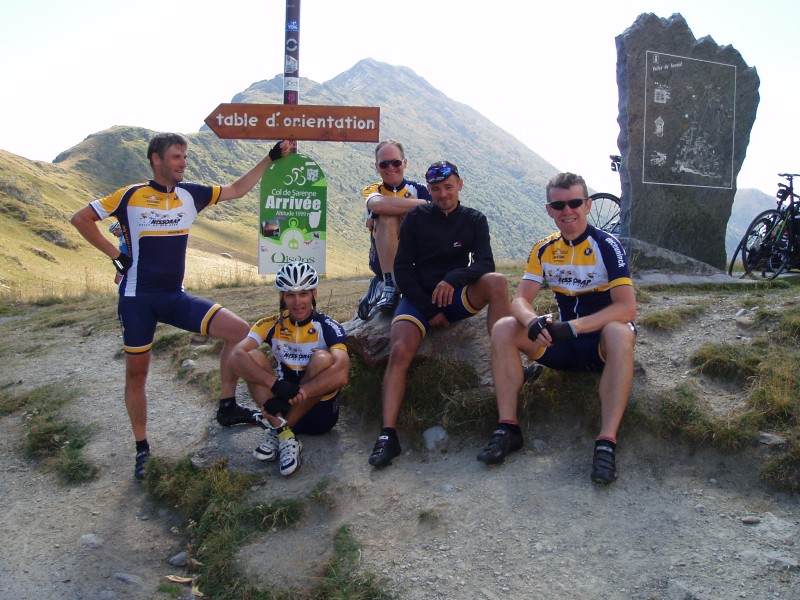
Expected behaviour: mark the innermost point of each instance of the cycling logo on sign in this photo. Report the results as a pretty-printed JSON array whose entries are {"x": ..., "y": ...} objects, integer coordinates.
[{"x": 292, "y": 214}]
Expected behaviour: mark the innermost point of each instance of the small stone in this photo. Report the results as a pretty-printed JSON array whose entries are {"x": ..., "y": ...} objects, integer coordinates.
[
  {"x": 770, "y": 439},
  {"x": 751, "y": 520},
  {"x": 91, "y": 540},
  {"x": 436, "y": 438},
  {"x": 128, "y": 578},
  {"x": 179, "y": 560}
]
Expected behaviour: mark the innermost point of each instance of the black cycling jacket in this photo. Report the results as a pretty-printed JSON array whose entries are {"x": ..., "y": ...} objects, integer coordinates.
[{"x": 434, "y": 246}]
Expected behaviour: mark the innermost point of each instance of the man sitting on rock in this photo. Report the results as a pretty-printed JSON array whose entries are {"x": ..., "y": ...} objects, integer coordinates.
[
  {"x": 387, "y": 202},
  {"x": 588, "y": 272},
  {"x": 445, "y": 270}
]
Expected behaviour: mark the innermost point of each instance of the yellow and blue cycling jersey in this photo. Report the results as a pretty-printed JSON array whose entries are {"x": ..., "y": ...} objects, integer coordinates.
[
  {"x": 407, "y": 189},
  {"x": 155, "y": 225},
  {"x": 580, "y": 272},
  {"x": 292, "y": 343}
]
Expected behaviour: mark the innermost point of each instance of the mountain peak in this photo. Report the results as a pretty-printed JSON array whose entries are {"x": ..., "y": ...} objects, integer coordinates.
[{"x": 369, "y": 73}]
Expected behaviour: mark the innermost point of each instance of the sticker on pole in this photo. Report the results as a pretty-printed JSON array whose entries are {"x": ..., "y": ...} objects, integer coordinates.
[{"x": 292, "y": 215}]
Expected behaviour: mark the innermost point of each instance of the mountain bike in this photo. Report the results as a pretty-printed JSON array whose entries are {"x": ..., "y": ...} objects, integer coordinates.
[
  {"x": 771, "y": 244},
  {"x": 605, "y": 207}
]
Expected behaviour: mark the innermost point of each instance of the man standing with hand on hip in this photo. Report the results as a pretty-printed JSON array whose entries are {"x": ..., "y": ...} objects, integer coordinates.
[{"x": 156, "y": 217}]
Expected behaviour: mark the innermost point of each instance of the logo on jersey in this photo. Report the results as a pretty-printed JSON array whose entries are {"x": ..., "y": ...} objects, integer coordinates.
[
  {"x": 559, "y": 255},
  {"x": 617, "y": 251},
  {"x": 155, "y": 218},
  {"x": 587, "y": 252}
]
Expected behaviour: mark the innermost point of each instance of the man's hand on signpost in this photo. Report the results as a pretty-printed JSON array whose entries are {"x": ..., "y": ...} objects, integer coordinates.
[{"x": 281, "y": 149}]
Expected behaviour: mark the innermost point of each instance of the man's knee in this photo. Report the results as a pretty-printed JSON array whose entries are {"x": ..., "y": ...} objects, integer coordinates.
[
  {"x": 617, "y": 339},
  {"x": 505, "y": 331},
  {"x": 136, "y": 367},
  {"x": 320, "y": 360},
  {"x": 405, "y": 339}
]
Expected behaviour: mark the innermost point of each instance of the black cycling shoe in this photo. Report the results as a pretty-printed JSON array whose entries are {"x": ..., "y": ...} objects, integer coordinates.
[
  {"x": 374, "y": 293},
  {"x": 604, "y": 465},
  {"x": 503, "y": 442},
  {"x": 141, "y": 464},
  {"x": 531, "y": 373},
  {"x": 238, "y": 415},
  {"x": 386, "y": 448}
]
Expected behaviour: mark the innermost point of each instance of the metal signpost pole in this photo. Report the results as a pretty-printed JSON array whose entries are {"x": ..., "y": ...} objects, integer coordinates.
[{"x": 291, "y": 61}]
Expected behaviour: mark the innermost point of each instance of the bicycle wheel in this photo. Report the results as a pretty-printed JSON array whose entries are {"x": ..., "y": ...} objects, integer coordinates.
[
  {"x": 736, "y": 254},
  {"x": 604, "y": 213},
  {"x": 758, "y": 245},
  {"x": 779, "y": 257}
]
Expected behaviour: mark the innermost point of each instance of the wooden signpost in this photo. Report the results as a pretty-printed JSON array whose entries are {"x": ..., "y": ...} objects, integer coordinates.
[
  {"x": 296, "y": 122},
  {"x": 293, "y": 202}
]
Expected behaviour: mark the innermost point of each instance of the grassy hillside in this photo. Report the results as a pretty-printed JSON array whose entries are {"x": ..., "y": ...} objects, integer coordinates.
[{"x": 42, "y": 255}]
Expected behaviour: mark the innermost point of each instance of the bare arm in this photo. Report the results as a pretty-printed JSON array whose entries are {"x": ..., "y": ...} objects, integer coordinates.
[
  {"x": 622, "y": 309},
  {"x": 85, "y": 221},
  {"x": 246, "y": 182},
  {"x": 393, "y": 206},
  {"x": 522, "y": 304}
]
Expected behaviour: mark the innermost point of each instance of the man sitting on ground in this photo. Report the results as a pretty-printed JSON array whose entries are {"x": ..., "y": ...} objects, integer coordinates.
[
  {"x": 588, "y": 272},
  {"x": 301, "y": 394}
]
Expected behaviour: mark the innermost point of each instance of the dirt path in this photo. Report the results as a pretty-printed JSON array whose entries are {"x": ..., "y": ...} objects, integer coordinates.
[{"x": 435, "y": 525}]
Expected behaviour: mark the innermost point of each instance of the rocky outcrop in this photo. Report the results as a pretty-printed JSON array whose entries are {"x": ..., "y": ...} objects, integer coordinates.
[
  {"x": 686, "y": 108},
  {"x": 466, "y": 341}
]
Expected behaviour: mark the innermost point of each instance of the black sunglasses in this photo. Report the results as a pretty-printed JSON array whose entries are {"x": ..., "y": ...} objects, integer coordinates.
[
  {"x": 395, "y": 163},
  {"x": 562, "y": 204}
]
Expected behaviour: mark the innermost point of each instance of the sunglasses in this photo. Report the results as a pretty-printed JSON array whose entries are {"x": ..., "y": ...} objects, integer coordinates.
[
  {"x": 437, "y": 174},
  {"x": 395, "y": 163},
  {"x": 562, "y": 204}
]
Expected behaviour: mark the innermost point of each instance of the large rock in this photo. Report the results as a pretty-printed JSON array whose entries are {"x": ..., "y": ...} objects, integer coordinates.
[
  {"x": 466, "y": 341},
  {"x": 686, "y": 108}
]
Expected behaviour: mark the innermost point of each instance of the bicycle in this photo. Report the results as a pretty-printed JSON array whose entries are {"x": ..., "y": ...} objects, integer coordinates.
[
  {"x": 604, "y": 213},
  {"x": 771, "y": 244}
]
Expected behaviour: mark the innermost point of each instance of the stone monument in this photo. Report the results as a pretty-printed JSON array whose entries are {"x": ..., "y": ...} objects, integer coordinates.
[{"x": 686, "y": 108}]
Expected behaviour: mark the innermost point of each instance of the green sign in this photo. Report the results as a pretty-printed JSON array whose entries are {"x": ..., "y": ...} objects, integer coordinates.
[{"x": 292, "y": 215}]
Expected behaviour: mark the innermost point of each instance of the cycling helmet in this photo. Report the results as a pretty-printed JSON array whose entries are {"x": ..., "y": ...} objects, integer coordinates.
[
  {"x": 296, "y": 277},
  {"x": 115, "y": 226}
]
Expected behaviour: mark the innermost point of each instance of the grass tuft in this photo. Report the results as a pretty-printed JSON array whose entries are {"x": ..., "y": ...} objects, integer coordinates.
[
  {"x": 783, "y": 470},
  {"x": 726, "y": 360},
  {"x": 220, "y": 522},
  {"x": 672, "y": 319},
  {"x": 54, "y": 441},
  {"x": 342, "y": 579}
]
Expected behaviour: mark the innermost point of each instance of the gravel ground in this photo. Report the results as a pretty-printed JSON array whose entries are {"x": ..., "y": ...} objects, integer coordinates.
[{"x": 437, "y": 524}]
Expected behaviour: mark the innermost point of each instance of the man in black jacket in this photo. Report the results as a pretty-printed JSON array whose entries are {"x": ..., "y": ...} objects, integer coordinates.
[{"x": 445, "y": 269}]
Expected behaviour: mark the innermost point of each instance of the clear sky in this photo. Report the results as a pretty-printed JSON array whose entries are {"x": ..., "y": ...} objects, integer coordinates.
[{"x": 545, "y": 72}]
